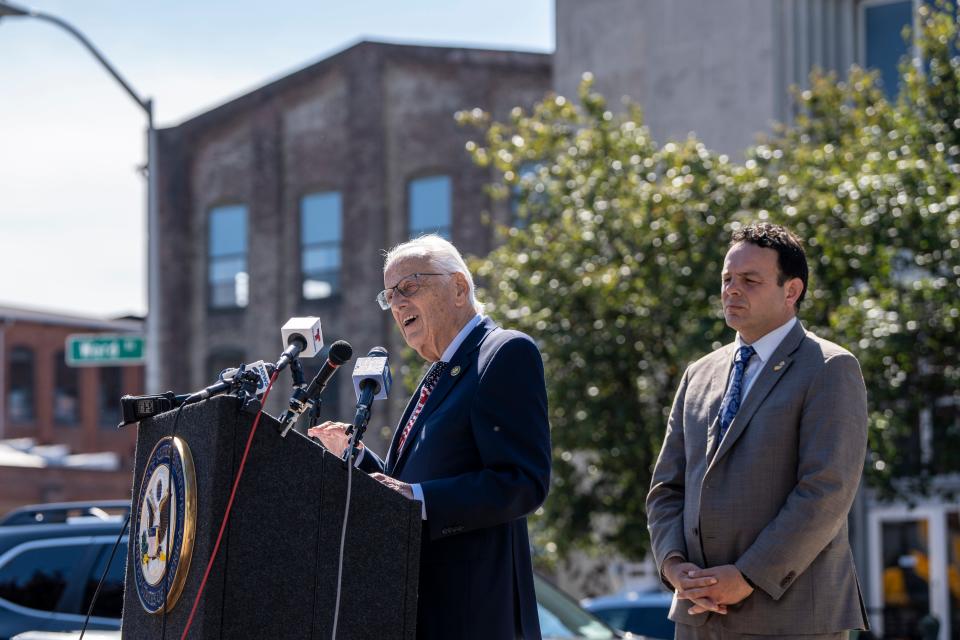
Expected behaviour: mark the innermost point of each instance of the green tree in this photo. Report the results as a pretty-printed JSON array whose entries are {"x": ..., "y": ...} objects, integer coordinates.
[
  {"x": 874, "y": 186},
  {"x": 613, "y": 266}
]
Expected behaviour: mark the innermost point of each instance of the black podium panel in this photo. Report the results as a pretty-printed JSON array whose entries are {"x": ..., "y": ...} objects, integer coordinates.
[{"x": 275, "y": 574}]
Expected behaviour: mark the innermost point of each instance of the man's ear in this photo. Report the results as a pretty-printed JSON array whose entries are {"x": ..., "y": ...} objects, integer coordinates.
[
  {"x": 463, "y": 289},
  {"x": 793, "y": 288}
]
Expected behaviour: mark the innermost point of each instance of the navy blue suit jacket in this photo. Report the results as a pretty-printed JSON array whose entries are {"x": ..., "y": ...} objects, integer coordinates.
[{"x": 480, "y": 450}]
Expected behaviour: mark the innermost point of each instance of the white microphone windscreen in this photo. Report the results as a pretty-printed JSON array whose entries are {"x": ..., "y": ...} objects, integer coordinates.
[
  {"x": 306, "y": 328},
  {"x": 376, "y": 369}
]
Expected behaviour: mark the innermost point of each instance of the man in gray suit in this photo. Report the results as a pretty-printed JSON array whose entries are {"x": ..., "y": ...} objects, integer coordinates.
[{"x": 761, "y": 460}]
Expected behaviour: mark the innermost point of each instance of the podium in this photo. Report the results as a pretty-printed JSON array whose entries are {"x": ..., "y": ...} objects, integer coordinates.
[{"x": 276, "y": 571}]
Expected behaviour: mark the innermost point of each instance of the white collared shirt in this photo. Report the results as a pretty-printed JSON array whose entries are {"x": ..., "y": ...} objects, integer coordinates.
[
  {"x": 764, "y": 348},
  {"x": 460, "y": 337}
]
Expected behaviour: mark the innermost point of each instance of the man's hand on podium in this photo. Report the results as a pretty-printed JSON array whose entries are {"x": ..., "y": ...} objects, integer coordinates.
[
  {"x": 333, "y": 436},
  {"x": 400, "y": 487}
]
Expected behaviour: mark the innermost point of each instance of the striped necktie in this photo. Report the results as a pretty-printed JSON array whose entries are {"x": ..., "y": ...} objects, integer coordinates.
[
  {"x": 731, "y": 401},
  {"x": 429, "y": 384}
]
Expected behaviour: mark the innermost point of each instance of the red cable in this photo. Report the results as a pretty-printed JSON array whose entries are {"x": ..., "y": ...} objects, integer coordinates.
[{"x": 226, "y": 515}]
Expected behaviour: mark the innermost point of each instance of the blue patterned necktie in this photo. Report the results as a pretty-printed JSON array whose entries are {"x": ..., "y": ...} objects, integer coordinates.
[{"x": 731, "y": 401}]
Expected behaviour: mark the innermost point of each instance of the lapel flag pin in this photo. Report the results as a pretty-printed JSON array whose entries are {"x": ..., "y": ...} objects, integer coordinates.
[
  {"x": 455, "y": 371},
  {"x": 779, "y": 365}
]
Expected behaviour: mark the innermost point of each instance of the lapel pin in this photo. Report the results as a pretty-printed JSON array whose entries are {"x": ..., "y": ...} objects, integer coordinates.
[
  {"x": 455, "y": 371},
  {"x": 779, "y": 365}
]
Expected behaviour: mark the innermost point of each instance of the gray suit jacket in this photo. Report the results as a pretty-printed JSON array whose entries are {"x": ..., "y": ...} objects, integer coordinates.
[{"x": 773, "y": 497}]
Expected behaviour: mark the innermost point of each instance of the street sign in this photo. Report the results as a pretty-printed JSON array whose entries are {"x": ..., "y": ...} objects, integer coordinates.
[{"x": 104, "y": 349}]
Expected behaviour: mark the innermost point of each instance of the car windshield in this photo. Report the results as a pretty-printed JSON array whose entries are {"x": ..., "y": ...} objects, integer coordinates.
[{"x": 561, "y": 617}]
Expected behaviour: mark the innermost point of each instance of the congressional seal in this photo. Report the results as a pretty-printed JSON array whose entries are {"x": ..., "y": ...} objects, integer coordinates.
[{"x": 166, "y": 525}]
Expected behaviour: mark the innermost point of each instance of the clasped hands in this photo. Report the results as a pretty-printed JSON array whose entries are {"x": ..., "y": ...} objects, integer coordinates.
[
  {"x": 334, "y": 437},
  {"x": 711, "y": 589}
]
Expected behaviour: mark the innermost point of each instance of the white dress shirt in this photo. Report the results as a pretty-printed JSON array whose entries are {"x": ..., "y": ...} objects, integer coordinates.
[
  {"x": 764, "y": 348},
  {"x": 447, "y": 354}
]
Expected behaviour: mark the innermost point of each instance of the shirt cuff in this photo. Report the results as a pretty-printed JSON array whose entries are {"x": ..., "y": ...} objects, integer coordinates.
[
  {"x": 359, "y": 457},
  {"x": 418, "y": 495}
]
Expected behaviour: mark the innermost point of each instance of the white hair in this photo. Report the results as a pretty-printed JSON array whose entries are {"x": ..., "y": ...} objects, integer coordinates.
[{"x": 441, "y": 254}]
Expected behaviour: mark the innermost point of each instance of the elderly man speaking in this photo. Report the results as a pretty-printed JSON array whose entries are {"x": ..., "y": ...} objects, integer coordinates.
[{"x": 473, "y": 446}]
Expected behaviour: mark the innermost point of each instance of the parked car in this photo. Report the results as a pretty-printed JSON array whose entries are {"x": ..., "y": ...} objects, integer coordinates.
[
  {"x": 638, "y": 612},
  {"x": 562, "y": 618},
  {"x": 52, "y": 556},
  {"x": 62, "y": 512},
  {"x": 51, "y": 559}
]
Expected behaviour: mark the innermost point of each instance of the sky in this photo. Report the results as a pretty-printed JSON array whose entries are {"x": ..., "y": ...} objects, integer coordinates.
[{"x": 72, "y": 143}]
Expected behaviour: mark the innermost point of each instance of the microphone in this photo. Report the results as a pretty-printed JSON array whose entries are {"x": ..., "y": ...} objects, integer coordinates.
[
  {"x": 302, "y": 337},
  {"x": 304, "y": 399},
  {"x": 260, "y": 371},
  {"x": 137, "y": 408},
  {"x": 371, "y": 381}
]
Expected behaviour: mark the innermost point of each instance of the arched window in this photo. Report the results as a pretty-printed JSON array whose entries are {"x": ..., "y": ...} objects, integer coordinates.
[
  {"x": 227, "y": 277},
  {"x": 20, "y": 398},
  {"x": 111, "y": 389},
  {"x": 430, "y": 203},
  {"x": 66, "y": 392},
  {"x": 321, "y": 230}
]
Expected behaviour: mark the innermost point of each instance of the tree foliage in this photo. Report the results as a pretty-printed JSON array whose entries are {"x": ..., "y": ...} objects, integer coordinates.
[{"x": 613, "y": 266}]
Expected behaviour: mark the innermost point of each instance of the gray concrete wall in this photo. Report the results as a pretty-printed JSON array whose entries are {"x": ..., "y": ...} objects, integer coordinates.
[{"x": 718, "y": 69}]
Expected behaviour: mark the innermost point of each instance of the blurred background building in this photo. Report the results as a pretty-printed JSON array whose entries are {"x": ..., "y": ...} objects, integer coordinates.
[
  {"x": 58, "y": 423},
  {"x": 722, "y": 70}
]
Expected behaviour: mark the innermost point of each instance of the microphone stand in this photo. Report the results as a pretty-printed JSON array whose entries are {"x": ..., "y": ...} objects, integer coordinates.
[
  {"x": 356, "y": 432},
  {"x": 313, "y": 418}
]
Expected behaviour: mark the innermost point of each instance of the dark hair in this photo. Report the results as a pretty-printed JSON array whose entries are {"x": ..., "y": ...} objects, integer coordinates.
[{"x": 791, "y": 258}]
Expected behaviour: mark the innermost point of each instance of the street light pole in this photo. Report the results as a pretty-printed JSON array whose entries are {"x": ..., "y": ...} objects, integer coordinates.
[{"x": 153, "y": 292}]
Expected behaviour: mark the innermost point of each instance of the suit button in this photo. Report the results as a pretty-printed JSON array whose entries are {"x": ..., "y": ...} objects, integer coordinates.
[{"x": 787, "y": 580}]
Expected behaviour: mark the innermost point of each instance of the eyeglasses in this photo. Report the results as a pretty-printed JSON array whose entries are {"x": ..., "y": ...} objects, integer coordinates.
[{"x": 407, "y": 287}]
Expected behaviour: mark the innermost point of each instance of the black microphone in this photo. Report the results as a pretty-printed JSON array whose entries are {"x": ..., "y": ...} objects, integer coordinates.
[
  {"x": 371, "y": 381},
  {"x": 305, "y": 398},
  {"x": 229, "y": 378},
  {"x": 137, "y": 408}
]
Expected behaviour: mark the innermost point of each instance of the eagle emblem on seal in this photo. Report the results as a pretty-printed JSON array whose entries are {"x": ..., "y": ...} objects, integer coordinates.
[{"x": 166, "y": 525}]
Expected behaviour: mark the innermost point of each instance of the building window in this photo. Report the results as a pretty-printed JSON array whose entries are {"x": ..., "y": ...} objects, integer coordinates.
[
  {"x": 110, "y": 390},
  {"x": 321, "y": 230},
  {"x": 20, "y": 397},
  {"x": 66, "y": 393},
  {"x": 430, "y": 206},
  {"x": 882, "y": 23},
  {"x": 227, "y": 254}
]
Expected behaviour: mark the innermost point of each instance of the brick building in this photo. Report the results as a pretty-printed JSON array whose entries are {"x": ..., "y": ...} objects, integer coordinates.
[
  {"x": 55, "y": 418},
  {"x": 280, "y": 203}
]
